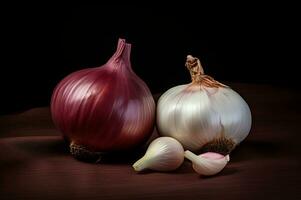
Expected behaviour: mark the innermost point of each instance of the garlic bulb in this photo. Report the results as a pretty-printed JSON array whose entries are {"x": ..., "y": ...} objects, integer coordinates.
[
  {"x": 208, "y": 163},
  {"x": 204, "y": 115},
  {"x": 163, "y": 154}
]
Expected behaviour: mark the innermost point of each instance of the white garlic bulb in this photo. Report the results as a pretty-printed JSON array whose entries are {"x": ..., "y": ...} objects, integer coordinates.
[
  {"x": 163, "y": 154},
  {"x": 208, "y": 163},
  {"x": 204, "y": 114}
]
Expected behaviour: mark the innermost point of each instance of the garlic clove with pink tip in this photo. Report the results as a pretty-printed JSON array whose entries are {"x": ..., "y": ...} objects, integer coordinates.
[{"x": 207, "y": 164}]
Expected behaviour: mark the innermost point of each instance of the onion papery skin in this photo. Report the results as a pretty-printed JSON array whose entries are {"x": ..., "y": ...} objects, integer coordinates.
[{"x": 107, "y": 108}]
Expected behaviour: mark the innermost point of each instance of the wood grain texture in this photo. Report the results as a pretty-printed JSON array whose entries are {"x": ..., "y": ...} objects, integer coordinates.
[{"x": 35, "y": 163}]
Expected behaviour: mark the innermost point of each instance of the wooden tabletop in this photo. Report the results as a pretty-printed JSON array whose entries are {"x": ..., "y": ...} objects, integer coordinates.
[{"x": 35, "y": 163}]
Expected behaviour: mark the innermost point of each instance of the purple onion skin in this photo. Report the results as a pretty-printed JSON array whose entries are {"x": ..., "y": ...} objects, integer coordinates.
[{"x": 106, "y": 108}]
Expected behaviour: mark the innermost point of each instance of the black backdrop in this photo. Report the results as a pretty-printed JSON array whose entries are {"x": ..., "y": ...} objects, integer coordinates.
[{"x": 240, "y": 43}]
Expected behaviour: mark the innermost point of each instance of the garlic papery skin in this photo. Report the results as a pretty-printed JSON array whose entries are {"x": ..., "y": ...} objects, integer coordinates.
[
  {"x": 163, "y": 154},
  {"x": 208, "y": 163},
  {"x": 204, "y": 115}
]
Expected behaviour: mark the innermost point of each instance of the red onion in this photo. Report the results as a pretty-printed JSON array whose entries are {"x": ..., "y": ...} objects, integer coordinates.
[{"x": 104, "y": 109}]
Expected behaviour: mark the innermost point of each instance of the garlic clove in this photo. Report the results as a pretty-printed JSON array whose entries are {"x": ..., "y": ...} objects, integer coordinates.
[
  {"x": 163, "y": 154},
  {"x": 208, "y": 163},
  {"x": 212, "y": 155}
]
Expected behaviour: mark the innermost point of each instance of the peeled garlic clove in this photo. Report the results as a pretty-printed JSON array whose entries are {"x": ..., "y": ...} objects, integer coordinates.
[
  {"x": 163, "y": 154},
  {"x": 208, "y": 163}
]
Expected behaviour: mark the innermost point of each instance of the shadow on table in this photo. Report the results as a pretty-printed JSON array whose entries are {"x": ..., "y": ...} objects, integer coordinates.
[
  {"x": 50, "y": 146},
  {"x": 43, "y": 146},
  {"x": 249, "y": 150}
]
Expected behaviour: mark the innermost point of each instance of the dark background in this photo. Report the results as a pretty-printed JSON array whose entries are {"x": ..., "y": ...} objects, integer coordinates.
[{"x": 238, "y": 43}]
